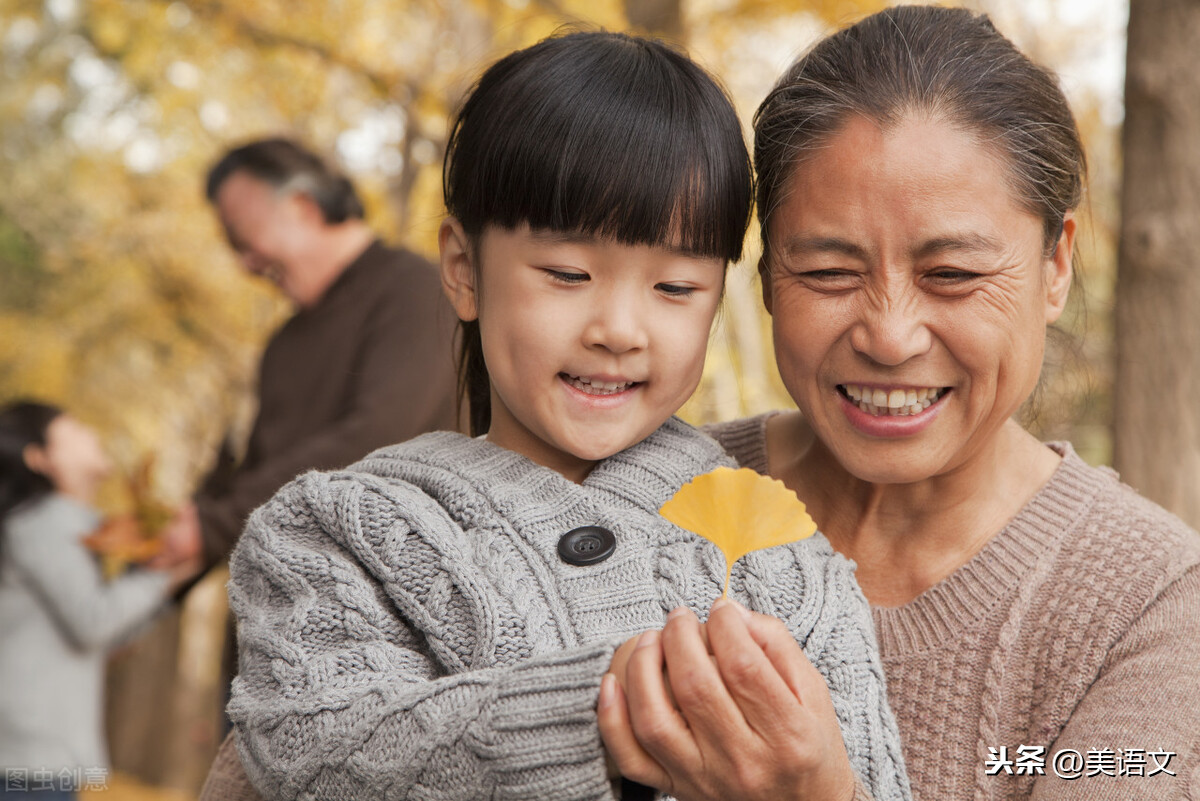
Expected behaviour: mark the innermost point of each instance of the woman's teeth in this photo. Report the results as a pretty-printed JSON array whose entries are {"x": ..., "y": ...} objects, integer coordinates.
[
  {"x": 896, "y": 402},
  {"x": 593, "y": 387}
]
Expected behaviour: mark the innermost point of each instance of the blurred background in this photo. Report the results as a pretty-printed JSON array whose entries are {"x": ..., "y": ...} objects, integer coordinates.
[{"x": 120, "y": 300}]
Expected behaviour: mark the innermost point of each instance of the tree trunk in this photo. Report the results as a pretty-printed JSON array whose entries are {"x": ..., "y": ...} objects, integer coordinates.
[
  {"x": 659, "y": 17},
  {"x": 1157, "y": 387},
  {"x": 165, "y": 693}
]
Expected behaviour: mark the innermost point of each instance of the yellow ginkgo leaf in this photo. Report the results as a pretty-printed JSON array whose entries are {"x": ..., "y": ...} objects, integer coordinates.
[{"x": 739, "y": 511}]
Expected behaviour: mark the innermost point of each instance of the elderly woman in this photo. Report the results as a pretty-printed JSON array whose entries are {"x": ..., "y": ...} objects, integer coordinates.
[{"x": 1038, "y": 621}]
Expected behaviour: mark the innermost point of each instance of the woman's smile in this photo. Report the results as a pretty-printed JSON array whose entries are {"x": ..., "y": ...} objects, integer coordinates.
[
  {"x": 896, "y": 401},
  {"x": 896, "y": 412}
]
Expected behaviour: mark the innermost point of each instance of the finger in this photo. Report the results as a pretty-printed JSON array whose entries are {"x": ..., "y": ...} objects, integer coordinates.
[
  {"x": 815, "y": 715},
  {"x": 696, "y": 683},
  {"x": 621, "y": 657},
  {"x": 616, "y": 730},
  {"x": 765, "y": 699},
  {"x": 660, "y": 728},
  {"x": 780, "y": 646},
  {"x": 704, "y": 637}
]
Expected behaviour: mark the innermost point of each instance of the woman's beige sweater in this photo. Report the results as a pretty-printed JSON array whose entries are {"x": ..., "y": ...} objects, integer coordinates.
[{"x": 1076, "y": 630}]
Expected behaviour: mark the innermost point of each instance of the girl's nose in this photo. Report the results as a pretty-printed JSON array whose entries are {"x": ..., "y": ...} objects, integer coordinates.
[
  {"x": 891, "y": 333},
  {"x": 617, "y": 324}
]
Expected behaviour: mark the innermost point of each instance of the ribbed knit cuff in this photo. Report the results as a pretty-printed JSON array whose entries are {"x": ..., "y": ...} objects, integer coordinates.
[
  {"x": 547, "y": 740},
  {"x": 861, "y": 793}
]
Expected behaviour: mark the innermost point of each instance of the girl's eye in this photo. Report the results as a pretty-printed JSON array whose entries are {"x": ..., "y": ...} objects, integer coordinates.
[
  {"x": 675, "y": 290},
  {"x": 566, "y": 276}
]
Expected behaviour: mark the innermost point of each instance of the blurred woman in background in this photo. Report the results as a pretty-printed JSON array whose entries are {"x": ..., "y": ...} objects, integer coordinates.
[{"x": 58, "y": 615}]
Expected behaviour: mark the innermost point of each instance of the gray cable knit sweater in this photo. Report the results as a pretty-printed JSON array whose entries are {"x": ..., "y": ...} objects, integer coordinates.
[{"x": 408, "y": 630}]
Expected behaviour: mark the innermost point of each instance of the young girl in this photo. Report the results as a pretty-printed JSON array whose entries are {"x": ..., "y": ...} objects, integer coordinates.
[
  {"x": 435, "y": 621},
  {"x": 58, "y": 615}
]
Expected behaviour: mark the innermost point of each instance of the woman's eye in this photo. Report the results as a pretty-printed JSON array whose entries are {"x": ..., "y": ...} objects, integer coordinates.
[
  {"x": 951, "y": 275},
  {"x": 828, "y": 278},
  {"x": 566, "y": 276},
  {"x": 675, "y": 290}
]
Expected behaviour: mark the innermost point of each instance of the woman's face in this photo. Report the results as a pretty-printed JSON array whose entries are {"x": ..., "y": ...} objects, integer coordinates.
[
  {"x": 72, "y": 458},
  {"x": 910, "y": 295}
]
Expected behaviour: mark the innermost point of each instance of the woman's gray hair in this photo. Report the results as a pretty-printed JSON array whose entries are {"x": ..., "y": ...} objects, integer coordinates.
[{"x": 948, "y": 62}]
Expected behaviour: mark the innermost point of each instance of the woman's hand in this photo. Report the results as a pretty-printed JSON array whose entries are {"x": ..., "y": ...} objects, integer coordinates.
[
  {"x": 182, "y": 555},
  {"x": 752, "y": 721}
]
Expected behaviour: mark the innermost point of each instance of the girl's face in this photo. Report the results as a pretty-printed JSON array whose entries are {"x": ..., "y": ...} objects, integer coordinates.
[
  {"x": 590, "y": 345},
  {"x": 910, "y": 295},
  {"x": 72, "y": 458}
]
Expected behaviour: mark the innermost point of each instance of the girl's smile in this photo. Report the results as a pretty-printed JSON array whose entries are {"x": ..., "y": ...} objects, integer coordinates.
[{"x": 600, "y": 393}]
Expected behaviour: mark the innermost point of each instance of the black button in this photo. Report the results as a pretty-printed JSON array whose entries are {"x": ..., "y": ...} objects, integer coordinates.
[{"x": 586, "y": 545}]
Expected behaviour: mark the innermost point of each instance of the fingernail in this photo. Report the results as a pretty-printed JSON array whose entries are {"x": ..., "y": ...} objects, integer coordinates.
[
  {"x": 607, "y": 691},
  {"x": 648, "y": 638},
  {"x": 677, "y": 611},
  {"x": 743, "y": 611}
]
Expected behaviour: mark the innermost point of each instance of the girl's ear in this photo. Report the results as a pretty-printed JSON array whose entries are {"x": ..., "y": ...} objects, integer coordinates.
[
  {"x": 1059, "y": 270},
  {"x": 458, "y": 273}
]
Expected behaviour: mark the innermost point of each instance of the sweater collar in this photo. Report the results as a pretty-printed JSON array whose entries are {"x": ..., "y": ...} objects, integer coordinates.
[
  {"x": 645, "y": 475},
  {"x": 1036, "y": 533}
]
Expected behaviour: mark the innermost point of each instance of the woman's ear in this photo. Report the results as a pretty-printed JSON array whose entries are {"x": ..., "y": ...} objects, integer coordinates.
[
  {"x": 457, "y": 269},
  {"x": 764, "y": 275},
  {"x": 1059, "y": 270}
]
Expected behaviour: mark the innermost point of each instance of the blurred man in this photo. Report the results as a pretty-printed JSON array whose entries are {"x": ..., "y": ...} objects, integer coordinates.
[{"x": 367, "y": 359}]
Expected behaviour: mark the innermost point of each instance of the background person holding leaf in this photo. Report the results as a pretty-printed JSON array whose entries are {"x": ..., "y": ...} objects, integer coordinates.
[{"x": 58, "y": 613}]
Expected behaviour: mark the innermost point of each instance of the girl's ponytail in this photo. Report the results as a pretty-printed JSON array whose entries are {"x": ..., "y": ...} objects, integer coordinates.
[{"x": 474, "y": 388}]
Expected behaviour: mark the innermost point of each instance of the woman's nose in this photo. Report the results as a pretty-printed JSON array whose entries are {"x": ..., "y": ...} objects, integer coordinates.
[{"x": 890, "y": 332}]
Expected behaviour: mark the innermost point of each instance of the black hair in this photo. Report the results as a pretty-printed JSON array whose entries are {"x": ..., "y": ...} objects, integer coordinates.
[
  {"x": 287, "y": 165},
  {"x": 948, "y": 61},
  {"x": 603, "y": 134},
  {"x": 22, "y": 423}
]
